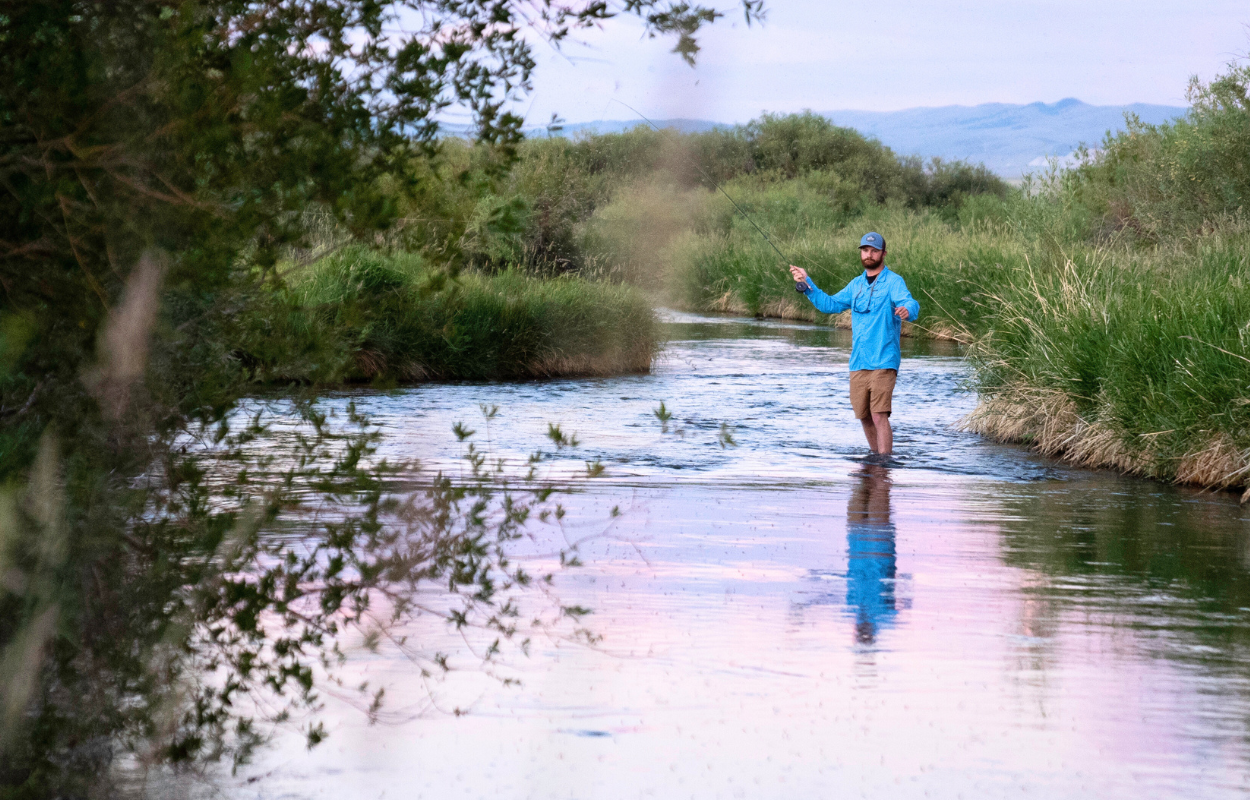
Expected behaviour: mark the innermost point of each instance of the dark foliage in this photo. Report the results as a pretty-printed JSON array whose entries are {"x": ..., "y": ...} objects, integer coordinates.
[{"x": 157, "y": 158}]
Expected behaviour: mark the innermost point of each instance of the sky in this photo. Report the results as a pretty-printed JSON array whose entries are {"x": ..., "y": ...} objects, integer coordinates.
[{"x": 893, "y": 54}]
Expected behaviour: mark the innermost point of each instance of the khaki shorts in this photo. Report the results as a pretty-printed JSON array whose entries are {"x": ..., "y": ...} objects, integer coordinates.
[{"x": 872, "y": 390}]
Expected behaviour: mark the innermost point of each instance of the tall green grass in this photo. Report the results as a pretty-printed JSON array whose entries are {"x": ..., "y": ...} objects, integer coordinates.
[
  {"x": 365, "y": 315},
  {"x": 1137, "y": 360}
]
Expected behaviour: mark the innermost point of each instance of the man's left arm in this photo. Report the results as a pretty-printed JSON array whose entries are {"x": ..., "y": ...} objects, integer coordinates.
[{"x": 901, "y": 298}]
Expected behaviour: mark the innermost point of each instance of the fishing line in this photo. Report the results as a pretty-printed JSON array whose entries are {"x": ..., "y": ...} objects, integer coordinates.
[{"x": 708, "y": 178}]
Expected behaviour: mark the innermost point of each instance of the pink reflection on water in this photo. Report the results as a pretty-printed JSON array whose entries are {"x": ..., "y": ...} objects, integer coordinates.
[{"x": 735, "y": 663}]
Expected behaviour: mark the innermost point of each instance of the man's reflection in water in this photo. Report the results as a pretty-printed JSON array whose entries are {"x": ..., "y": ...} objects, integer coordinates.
[{"x": 870, "y": 565}]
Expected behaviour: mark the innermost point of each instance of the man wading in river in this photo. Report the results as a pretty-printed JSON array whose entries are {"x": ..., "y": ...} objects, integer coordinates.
[{"x": 879, "y": 302}]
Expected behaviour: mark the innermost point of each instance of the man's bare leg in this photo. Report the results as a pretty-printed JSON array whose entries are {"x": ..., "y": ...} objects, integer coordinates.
[
  {"x": 885, "y": 436},
  {"x": 870, "y": 432}
]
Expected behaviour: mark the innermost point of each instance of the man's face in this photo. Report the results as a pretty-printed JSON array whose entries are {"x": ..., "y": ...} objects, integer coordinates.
[{"x": 871, "y": 257}]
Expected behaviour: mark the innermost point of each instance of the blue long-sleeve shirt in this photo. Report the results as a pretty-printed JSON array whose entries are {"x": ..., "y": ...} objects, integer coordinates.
[{"x": 874, "y": 327}]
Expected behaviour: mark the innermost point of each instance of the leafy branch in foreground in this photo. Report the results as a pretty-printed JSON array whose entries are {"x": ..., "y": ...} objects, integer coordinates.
[
  {"x": 724, "y": 435},
  {"x": 157, "y": 158},
  {"x": 258, "y": 553}
]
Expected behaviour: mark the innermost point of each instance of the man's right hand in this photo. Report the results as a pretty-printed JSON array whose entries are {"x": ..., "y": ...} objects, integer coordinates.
[{"x": 800, "y": 274}]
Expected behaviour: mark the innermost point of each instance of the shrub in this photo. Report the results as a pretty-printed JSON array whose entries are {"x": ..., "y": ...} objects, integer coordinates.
[{"x": 1154, "y": 183}]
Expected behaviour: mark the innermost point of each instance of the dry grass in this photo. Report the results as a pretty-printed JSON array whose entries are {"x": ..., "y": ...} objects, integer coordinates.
[
  {"x": 1048, "y": 421},
  {"x": 1219, "y": 465},
  {"x": 787, "y": 309},
  {"x": 593, "y": 366},
  {"x": 727, "y": 303}
]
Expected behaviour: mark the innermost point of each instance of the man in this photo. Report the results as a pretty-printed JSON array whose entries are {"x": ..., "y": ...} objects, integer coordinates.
[{"x": 879, "y": 302}]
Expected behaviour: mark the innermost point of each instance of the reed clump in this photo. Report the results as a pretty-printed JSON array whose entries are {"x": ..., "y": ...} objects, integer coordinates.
[
  {"x": 1134, "y": 360},
  {"x": 364, "y": 315}
]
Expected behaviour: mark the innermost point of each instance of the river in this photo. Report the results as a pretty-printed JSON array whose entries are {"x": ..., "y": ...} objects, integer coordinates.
[{"x": 784, "y": 619}]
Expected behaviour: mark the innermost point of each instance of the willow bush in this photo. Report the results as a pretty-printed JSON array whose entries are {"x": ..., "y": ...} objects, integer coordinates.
[{"x": 1155, "y": 184}]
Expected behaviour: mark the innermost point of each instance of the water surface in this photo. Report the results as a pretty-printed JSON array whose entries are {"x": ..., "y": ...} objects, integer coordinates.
[{"x": 783, "y": 619}]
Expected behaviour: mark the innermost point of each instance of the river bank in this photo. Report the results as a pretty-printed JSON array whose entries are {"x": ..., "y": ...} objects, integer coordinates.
[{"x": 1134, "y": 361}]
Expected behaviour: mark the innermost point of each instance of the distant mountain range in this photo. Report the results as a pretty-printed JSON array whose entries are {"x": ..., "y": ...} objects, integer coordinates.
[{"x": 1009, "y": 139}]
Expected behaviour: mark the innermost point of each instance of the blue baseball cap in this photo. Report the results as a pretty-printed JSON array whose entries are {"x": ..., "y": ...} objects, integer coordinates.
[{"x": 873, "y": 239}]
